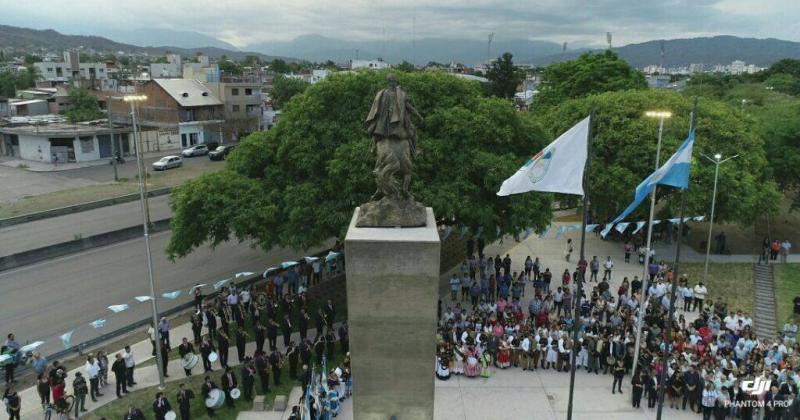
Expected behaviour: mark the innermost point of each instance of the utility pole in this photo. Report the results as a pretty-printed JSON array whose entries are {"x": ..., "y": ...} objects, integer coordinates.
[
  {"x": 111, "y": 134},
  {"x": 489, "y": 50}
]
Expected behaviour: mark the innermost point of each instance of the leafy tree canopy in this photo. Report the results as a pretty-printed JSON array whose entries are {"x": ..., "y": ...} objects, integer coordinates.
[
  {"x": 784, "y": 83},
  {"x": 504, "y": 76},
  {"x": 279, "y": 66},
  {"x": 8, "y": 84},
  {"x": 589, "y": 74},
  {"x": 284, "y": 88},
  {"x": 405, "y": 66},
  {"x": 230, "y": 68},
  {"x": 780, "y": 128},
  {"x": 786, "y": 66},
  {"x": 624, "y": 146},
  {"x": 83, "y": 107},
  {"x": 298, "y": 184}
]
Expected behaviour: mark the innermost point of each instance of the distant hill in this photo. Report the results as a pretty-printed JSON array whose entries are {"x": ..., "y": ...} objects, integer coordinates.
[
  {"x": 470, "y": 52},
  {"x": 154, "y": 37},
  {"x": 15, "y": 38},
  {"x": 682, "y": 52}
]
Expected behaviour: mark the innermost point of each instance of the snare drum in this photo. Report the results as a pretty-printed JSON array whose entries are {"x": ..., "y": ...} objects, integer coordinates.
[
  {"x": 215, "y": 399},
  {"x": 213, "y": 357}
]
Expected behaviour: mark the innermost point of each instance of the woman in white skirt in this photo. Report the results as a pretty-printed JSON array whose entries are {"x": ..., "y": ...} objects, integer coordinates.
[{"x": 458, "y": 356}]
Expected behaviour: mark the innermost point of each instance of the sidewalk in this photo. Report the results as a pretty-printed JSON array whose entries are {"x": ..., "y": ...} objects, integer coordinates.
[{"x": 36, "y": 166}]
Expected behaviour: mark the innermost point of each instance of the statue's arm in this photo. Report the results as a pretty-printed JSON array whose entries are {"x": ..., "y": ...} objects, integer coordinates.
[{"x": 414, "y": 112}]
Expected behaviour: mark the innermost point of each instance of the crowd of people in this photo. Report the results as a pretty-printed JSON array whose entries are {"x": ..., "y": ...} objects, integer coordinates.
[
  {"x": 227, "y": 320},
  {"x": 502, "y": 314}
]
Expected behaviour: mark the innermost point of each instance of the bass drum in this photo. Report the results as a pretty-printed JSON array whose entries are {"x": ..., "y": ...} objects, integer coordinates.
[
  {"x": 189, "y": 361},
  {"x": 215, "y": 398},
  {"x": 170, "y": 415},
  {"x": 262, "y": 301},
  {"x": 213, "y": 357}
]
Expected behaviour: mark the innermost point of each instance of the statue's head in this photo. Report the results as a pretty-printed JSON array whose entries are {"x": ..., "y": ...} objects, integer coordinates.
[{"x": 391, "y": 79}]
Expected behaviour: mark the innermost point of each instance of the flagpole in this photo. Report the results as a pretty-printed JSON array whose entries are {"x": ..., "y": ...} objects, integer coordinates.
[
  {"x": 674, "y": 291},
  {"x": 645, "y": 276},
  {"x": 576, "y": 300}
]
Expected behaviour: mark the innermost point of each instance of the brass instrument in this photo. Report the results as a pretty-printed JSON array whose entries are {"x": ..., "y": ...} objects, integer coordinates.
[{"x": 226, "y": 310}]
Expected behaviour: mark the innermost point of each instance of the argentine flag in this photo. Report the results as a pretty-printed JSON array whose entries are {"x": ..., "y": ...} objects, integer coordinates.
[
  {"x": 674, "y": 173},
  {"x": 557, "y": 168}
]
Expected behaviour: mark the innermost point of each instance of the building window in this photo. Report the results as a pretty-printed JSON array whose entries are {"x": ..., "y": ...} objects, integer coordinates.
[
  {"x": 248, "y": 92},
  {"x": 235, "y": 108},
  {"x": 235, "y": 92}
]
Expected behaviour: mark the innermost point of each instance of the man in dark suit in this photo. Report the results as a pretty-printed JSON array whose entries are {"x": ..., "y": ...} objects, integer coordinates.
[
  {"x": 228, "y": 382},
  {"x": 184, "y": 397},
  {"x": 161, "y": 406},
  {"x": 223, "y": 345},
  {"x": 120, "y": 375},
  {"x": 275, "y": 364},
  {"x": 205, "y": 350},
  {"x": 205, "y": 391},
  {"x": 286, "y": 328},
  {"x": 186, "y": 348},
  {"x": 248, "y": 378}
]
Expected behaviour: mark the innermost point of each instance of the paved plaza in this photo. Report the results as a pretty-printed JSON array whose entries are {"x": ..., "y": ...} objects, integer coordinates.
[{"x": 510, "y": 393}]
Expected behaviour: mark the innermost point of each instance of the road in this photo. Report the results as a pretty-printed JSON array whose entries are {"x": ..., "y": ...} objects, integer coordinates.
[
  {"x": 60, "y": 229},
  {"x": 105, "y": 173},
  {"x": 18, "y": 183},
  {"x": 43, "y": 301}
]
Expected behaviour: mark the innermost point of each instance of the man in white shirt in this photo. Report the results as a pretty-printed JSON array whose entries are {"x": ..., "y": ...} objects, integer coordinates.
[
  {"x": 130, "y": 364},
  {"x": 608, "y": 265},
  {"x": 316, "y": 267},
  {"x": 700, "y": 292},
  {"x": 525, "y": 347},
  {"x": 92, "y": 369},
  {"x": 786, "y": 246}
]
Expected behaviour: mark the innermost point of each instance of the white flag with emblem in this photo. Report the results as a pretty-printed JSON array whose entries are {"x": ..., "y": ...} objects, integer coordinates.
[{"x": 557, "y": 168}]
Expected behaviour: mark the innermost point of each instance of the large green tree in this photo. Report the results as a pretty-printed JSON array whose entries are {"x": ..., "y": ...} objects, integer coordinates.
[
  {"x": 285, "y": 88},
  {"x": 504, "y": 76},
  {"x": 8, "y": 84},
  {"x": 624, "y": 146},
  {"x": 780, "y": 128},
  {"x": 589, "y": 74},
  {"x": 297, "y": 184},
  {"x": 82, "y": 106}
]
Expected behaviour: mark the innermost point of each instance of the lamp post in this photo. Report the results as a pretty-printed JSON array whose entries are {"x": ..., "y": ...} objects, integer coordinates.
[
  {"x": 111, "y": 134},
  {"x": 132, "y": 99},
  {"x": 717, "y": 160},
  {"x": 661, "y": 115}
]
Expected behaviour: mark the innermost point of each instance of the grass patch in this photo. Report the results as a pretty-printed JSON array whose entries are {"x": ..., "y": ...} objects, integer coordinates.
[
  {"x": 143, "y": 398},
  {"x": 731, "y": 283},
  {"x": 787, "y": 286}
]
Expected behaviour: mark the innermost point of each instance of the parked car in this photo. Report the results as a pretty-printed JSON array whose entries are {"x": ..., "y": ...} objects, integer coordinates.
[
  {"x": 196, "y": 150},
  {"x": 167, "y": 162},
  {"x": 220, "y": 152}
]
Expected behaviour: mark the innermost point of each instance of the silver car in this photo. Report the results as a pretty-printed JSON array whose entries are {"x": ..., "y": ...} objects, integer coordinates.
[
  {"x": 167, "y": 162},
  {"x": 196, "y": 150}
]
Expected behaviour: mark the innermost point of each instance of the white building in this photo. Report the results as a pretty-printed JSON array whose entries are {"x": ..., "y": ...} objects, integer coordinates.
[
  {"x": 59, "y": 142},
  {"x": 173, "y": 68},
  {"x": 738, "y": 67},
  {"x": 378, "y": 64},
  {"x": 71, "y": 70}
]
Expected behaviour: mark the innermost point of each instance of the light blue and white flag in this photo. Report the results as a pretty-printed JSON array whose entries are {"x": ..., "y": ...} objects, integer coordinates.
[
  {"x": 269, "y": 270},
  {"x": 310, "y": 259},
  {"x": 100, "y": 323},
  {"x": 288, "y": 264},
  {"x": 560, "y": 231},
  {"x": 244, "y": 274},
  {"x": 621, "y": 226},
  {"x": 142, "y": 299},
  {"x": 673, "y": 173},
  {"x": 447, "y": 231},
  {"x": 172, "y": 295},
  {"x": 528, "y": 232},
  {"x": 591, "y": 228},
  {"x": 675, "y": 220},
  {"x": 66, "y": 339},
  {"x": 544, "y": 233},
  {"x": 196, "y": 286},
  {"x": 218, "y": 285},
  {"x": 332, "y": 256},
  {"x": 699, "y": 218},
  {"x": 557, "y": 168},
  {"x": 639, "y": 226},
  {"x": 118, "y": 308}
]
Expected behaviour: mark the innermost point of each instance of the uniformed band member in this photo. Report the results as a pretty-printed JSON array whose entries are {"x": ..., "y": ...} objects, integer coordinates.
[
  {"x": 205, "y": 390},
  {"x": 184, "y": 397},
  {"x": 186, "y": 348},
  {"x": 228, "y": 382},
  {"x": 161, "y": 406}
]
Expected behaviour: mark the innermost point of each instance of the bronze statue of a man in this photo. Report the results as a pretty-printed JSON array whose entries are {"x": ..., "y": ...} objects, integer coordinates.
[{"x": 394, "y": 140}]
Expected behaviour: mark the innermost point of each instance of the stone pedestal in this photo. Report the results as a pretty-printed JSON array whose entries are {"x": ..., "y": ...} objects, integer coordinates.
[{"x": 392, "y": 293}]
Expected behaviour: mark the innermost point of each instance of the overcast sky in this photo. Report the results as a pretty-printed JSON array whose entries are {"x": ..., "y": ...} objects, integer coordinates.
[{"x": 580, "y": 22}]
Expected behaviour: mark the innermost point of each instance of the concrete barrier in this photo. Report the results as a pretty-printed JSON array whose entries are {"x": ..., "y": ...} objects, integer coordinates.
[
  {"x": 34, "y": 256},
  {"x": 61, "y": 211}
]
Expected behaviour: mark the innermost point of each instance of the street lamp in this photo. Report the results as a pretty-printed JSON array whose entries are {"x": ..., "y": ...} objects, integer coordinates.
[
  {"x": 661, "y": 115},
  {"x": 717, "y": 160},
  {"x": 132, "y": 99}
]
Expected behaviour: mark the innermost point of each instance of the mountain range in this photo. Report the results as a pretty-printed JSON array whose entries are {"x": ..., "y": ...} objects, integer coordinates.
[
  {"x": 157, "y": 43},
  {"x": 320, "y": 49},
  {"x": 677, "y": 52},
  {"x": 681, "y": 52}
]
